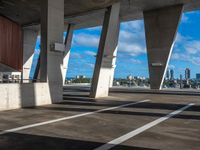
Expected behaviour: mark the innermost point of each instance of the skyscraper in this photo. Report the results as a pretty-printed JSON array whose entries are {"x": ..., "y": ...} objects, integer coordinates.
[
  {"x": 168, "y": 74},
  {"x": 187, "y": 73},
  {"x": 198, "y": 76},
  {"x": 171, "y": 74}
]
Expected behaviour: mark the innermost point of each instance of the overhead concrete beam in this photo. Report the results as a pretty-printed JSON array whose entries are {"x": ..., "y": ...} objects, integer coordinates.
[
  {"x": 29, "y": 41},
  {"x": 103, "y": 73},
  {"x": 160, "y": 29},
  {"x": 68, "y": 43}
]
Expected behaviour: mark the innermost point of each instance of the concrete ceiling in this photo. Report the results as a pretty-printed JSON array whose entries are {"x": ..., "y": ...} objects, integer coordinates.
[{"x": 86, "y": 13}]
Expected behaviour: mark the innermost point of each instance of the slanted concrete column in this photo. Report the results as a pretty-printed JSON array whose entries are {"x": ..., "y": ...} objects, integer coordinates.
[
  {"x": 106, "y": 53},
  {"x": 160, "y": 28},
  {"x": 68, "y": 43},
  {"x": 30, "y": 37},
  {"x": 52, "y": 27},
  {"x": 112, "y": 74}
]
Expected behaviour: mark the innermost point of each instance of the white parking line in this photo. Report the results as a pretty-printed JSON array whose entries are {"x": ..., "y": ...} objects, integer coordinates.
[
  {"x": 133, "y": 133},
  {"x": 69, "y": 117}
]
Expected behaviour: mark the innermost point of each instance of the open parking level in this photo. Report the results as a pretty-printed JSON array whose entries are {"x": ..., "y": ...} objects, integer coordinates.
[{"x": 118, "y": 122}]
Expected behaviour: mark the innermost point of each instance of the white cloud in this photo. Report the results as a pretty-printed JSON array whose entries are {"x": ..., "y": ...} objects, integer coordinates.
[
  {"x": 135, "y": 61},
  {"x": 188, "y": 58},
  {"x": 124, "y": 35},
  {"x": 131, "y": 49},
  {"x": 180, "y": 38},
  {"x": 171, "y": 66},
  {"x": 133, "y": 25},
  {"x": 37, "y": 51},
  {"x": 184, "y": 18},
  {"x": 192, "y": 47},
  {"x": 187, "y": 49},
  {"x": 86, "y": 40},
  {"x": 75, "y": 55},
  {"x": 90, "y": 65},
  {"x": 132, "y": 38},
  {"x": 94, "y": 28},
  {"x": 90, "y": 53}
]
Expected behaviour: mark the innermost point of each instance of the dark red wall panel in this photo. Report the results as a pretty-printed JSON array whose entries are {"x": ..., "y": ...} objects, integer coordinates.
[{"x": 10, "y": 44}]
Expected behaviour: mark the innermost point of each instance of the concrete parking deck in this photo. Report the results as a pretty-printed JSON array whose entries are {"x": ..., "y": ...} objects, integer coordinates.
[{"x": 69, "y": 126}]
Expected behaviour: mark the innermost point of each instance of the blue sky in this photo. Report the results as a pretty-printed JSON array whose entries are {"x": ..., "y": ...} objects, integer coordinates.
[{"x": 132, "y": 56}]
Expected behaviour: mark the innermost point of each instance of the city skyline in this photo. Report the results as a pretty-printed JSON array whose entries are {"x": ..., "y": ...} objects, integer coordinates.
[{"x": 185, "y": 75}]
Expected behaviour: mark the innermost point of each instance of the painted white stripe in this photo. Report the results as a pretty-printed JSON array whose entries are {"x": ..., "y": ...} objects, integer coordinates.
[
  {"x": 69, "y": 117},
  {"x": 133, "y": 133}
]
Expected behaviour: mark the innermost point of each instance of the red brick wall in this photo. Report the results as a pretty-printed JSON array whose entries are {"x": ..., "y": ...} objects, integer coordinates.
[{"x": 11, "y": 44}]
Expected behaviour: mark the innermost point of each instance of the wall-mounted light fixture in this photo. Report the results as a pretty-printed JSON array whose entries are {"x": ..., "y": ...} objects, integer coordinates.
[{"x": 157, "y": 64}]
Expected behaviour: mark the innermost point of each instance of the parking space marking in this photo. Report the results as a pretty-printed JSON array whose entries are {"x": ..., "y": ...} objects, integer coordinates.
[
  {"x": 69, "y": 117},
  {"x": 133, "y": 133}
]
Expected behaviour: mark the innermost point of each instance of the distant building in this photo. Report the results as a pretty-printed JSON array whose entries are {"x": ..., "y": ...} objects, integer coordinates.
[
  {"x": 171, "y": 74},
  {"x": 198, "y": 76},
  {"x": 187, "y": 73},
  {"x": 129, "y": 77},
  {"x": 80, "y": 77},
  {"x": 181, "y": 77},
  {"x": 168, "y": 74}
]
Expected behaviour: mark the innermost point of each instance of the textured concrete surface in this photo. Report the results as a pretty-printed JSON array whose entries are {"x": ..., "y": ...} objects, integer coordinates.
[
  {"x": 106, "y": 55},
  {"x": 180, "y": 132},
  {"x": 77, "y": 12},
  {"x": 14, "y": 96},
  {"x": 52, "y": 27},
  {"x": 68, "y": 43},
  {"x": 160, "y": 29},
  {"x": 29, "y": 41}
]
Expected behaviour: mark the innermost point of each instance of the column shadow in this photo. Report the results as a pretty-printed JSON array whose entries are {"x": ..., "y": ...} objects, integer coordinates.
[{"x": 18, "y": 141}]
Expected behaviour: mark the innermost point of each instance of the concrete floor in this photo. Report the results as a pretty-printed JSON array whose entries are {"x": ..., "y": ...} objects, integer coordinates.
[{"x": 182, "y": 132}]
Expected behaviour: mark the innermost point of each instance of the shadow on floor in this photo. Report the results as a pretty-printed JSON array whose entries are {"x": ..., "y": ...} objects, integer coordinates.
[
  {"x": 133, "y": 91},
  {"x": 92, "y": 102},
  {"x": 162, "y": 92},
  {"x": 16, "y": 141},
  {"x": 76, "y": 95},
  {"x": 123, "y": 112},
  {"x": 80, "y": 98}
]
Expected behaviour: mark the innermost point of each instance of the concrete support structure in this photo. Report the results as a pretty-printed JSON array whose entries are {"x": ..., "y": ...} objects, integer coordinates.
[
  {"x": 29, "y": 40},
  {"x": 160, "y": 24},
  {"x": 160, "y": 28},
  {"x": 112, "y": 74},
  {"x": 52, "y": 27},
  {"x": 106, "y": 53},
  {"x": 68, "y": 42}
]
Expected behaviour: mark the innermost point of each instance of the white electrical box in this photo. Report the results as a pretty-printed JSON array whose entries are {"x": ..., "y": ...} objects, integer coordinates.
[{"x": 58, "y": 47}]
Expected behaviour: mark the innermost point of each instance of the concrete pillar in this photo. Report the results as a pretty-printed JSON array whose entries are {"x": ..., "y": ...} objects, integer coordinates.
[
  {"x": 112, "y": 74},
  {"x": 68, "y": 42},
  {"x": 160, "y": 29},
  {"x": 29, "y": 40},
  {"x": 106, "y": 52},
  {"x": 52, "y": 27}
]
